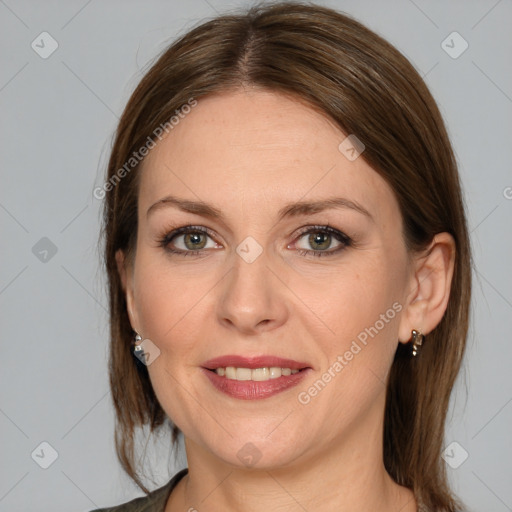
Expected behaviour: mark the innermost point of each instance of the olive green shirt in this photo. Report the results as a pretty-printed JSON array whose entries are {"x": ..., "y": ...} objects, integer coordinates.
[{"x": 154, "y": 502}]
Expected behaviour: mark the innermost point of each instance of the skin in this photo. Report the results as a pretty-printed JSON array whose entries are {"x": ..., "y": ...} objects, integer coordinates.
[{"x": 248, "y": 153}]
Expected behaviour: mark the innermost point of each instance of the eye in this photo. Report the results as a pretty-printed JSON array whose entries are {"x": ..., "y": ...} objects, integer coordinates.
[
  {"x": 188, "y": 240},
  {"x": 191, "y": 241},
  {"x": 321, "y": 241}
]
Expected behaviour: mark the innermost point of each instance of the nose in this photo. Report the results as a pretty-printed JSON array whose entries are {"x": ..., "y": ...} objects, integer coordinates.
[{"x": 252, "y": 299}]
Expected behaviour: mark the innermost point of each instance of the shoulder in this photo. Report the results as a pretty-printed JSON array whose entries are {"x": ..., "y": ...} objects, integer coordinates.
[{"x": 154, "y": 502}]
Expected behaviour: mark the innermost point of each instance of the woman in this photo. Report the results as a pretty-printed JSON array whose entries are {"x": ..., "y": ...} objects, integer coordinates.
[{"x": 288, "y": 261}]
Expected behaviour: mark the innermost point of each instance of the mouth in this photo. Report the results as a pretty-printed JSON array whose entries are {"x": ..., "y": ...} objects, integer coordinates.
[{"x": 255, "y": 377}]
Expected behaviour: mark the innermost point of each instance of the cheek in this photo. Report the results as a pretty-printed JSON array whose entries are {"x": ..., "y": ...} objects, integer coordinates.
[
  {"x": 346, "y": 302},
  {"x": 168, "y": 299},
  {"x": 361, "y": 307},
  {"x": 172, "y": 315}
]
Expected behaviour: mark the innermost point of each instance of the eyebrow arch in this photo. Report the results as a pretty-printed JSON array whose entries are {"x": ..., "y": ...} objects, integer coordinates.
[
  {"x": 185, "y": 205},
  {"x": 290, "y": 210},
  {"x": 309, "y": 207}
]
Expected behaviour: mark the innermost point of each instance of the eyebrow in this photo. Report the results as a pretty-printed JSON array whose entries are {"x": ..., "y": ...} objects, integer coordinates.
[{"x": 290, "y": 210}]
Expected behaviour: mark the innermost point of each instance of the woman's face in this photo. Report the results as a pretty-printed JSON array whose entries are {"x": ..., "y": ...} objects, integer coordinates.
[{"x": 258, "y": 275}]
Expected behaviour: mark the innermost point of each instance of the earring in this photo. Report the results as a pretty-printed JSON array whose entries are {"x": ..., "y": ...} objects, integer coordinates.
[
  {"x": 137, "y": 348},
  {"x": 416, "y": 341}
]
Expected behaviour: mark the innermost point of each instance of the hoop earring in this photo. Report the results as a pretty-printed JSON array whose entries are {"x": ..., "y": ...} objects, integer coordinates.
[{"x": 416, "y": 341}]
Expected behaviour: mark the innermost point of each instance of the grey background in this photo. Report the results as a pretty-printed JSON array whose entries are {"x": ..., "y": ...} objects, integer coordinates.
[{"x": 57, "y": 118}]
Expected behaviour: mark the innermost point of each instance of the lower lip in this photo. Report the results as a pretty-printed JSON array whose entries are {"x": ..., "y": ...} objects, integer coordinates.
[{"x": 254, "y": 390}]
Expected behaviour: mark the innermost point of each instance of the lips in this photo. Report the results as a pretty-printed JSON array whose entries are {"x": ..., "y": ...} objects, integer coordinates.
[
  {"x": 253, "y": 362},
  {"x": 257, "y": 388}
]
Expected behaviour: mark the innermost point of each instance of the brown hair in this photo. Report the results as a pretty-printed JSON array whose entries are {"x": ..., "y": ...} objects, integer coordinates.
[{"x": 368, "y": 88}]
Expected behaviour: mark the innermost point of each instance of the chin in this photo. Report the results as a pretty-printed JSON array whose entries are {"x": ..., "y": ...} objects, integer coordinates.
[{"x": 253, "y": 452}]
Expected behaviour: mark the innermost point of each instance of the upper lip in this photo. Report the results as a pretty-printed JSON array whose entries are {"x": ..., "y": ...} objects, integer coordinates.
[{"x": 253, "y": 362}]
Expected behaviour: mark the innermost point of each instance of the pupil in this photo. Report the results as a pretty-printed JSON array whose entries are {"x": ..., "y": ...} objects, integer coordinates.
[{"x": 320, "y": 240}]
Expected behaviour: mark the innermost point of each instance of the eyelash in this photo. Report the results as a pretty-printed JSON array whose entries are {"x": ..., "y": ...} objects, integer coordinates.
[{"x": 345, "y": 240}]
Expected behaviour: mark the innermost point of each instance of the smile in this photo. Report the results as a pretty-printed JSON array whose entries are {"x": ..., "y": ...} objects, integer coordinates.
[{"x": 254, "y": 377}]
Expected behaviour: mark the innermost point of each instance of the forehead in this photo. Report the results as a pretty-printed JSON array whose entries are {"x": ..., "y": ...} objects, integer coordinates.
[{"x": 253, "y": 149}]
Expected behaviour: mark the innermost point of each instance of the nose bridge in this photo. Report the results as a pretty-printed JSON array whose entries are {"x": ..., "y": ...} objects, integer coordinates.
[
  {"x": 250, "y": 275},
  {"x": 252, "y": 298}
]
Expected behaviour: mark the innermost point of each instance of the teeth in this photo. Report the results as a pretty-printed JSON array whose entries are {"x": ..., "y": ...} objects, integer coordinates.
[
  {"x": 257, "y": 374},
  {"x": 243, "y": 374},
  {"x": 230, "y": 372},
  {"x": 275, "y": 372},
  {"x": 260, "y": 374}
]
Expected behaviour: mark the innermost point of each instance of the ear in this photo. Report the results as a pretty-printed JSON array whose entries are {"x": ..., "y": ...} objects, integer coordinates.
[
  {"x": 429, "y": 287},
  {"x": 125, "y": 270}
]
